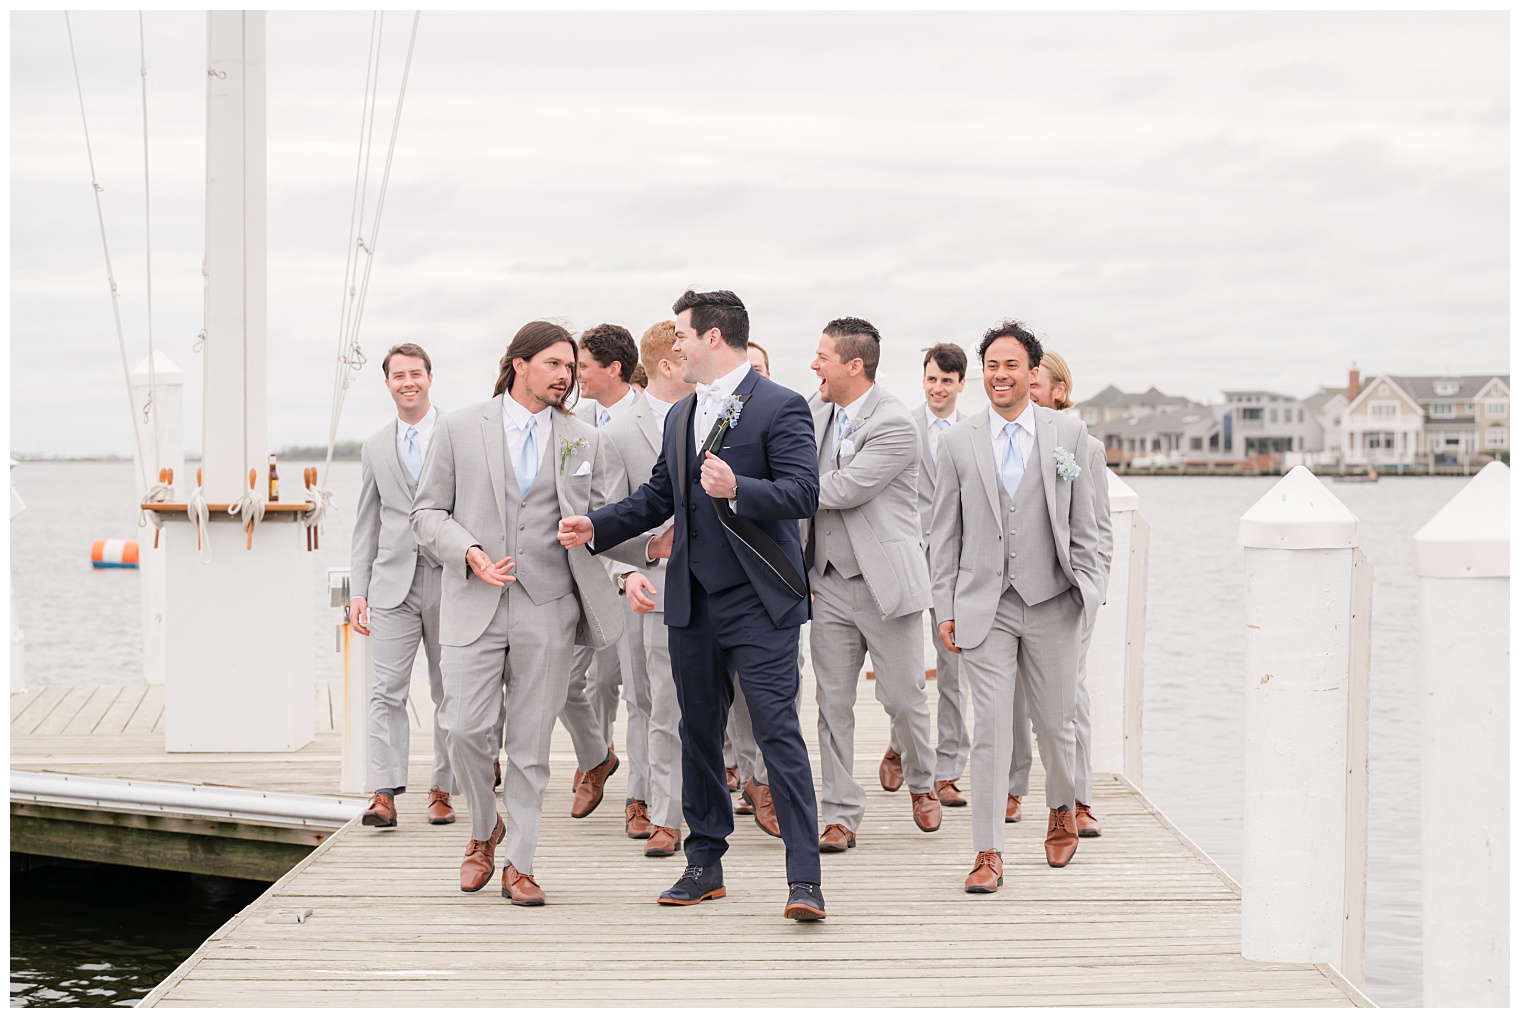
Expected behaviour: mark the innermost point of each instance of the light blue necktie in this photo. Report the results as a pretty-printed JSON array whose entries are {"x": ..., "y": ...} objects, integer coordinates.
[
  {"x": 840, "y": 423},
  {"x": 603, "y": 418},
  {"x": 413, "y": 454},
  {"x": 527, "y": 461},
  {"x": 940, "y": 424},
  {"x": 1013, "y": 459}
]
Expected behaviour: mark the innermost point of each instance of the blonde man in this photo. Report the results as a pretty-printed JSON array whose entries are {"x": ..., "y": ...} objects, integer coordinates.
[{"x": 1050, "y": 387}]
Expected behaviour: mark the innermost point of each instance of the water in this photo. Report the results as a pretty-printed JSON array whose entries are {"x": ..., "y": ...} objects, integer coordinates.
[
  {"x": 91, "y": 935},
  {"x": 83, "y": 626}
]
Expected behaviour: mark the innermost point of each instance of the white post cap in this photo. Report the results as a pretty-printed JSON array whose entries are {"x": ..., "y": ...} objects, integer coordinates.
[
  {"x": 1299, "y": 513},
  {"x": 166, "y": 371},
  {"x": 1469, "y": 537},
  {"x": 1120, "y": 495}
]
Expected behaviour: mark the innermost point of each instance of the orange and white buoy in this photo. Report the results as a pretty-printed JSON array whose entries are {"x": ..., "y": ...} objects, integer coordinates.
[{"x": 113, "y": 554}]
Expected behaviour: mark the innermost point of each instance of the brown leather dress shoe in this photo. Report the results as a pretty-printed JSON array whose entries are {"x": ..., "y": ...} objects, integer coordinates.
[
  {"x": 663, "y": 841},
  {"x": 1087, "y": 824},
  {"x": 575, "y": 782},
  {"x": 836, "y": 838},
  {"x": 743, "y": 807},
  {"x": 480, "y": 859},
  {"x": 1015, "y": 812},
  {"x": 765, "y": 809},
  {"x": 987, "y": 875},
  {"x": 732, "y": 774},
  {"x": 588, "y": 794},
  {"x": 381, "y": 811},
  {"x": 520, "y": 888},
  {"x": 891, "y": 772},
  {"x": 439, "y": 810},
  {"x": 926, "y": 811},
  {"x": 1061, "y": 837},
  {"x": 636, "y": 820},
  {"x": 948, "y": 794}
]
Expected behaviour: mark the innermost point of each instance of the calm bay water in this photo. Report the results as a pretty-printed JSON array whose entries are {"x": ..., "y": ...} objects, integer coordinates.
[{"x": 84, "y": 626}]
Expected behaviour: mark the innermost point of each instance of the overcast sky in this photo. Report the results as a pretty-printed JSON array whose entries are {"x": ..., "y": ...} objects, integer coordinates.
[{"x": 1193, "y": 201}]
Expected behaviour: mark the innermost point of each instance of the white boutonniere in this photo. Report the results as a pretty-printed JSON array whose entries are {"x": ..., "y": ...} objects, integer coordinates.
[
  {"x": 568, "y": 446},
  {"x": 1066, "y": 465}
]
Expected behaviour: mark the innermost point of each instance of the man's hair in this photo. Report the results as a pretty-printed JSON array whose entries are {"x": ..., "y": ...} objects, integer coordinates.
[
  {"x": 856, "y": 337},
  {"x": 531, "y": 340},
  {"x": 1019, "y": 331},
  {"x": 608, "y": 343},
  {"x": 657, "y": 345},
  {"x": 948, "y": 357},
  {"x": 763, "y": 355},
  {"x": 640, "y": 377},
  {"x": 405, "y": 350},
  {"x": 717, "y": 309},
  {"x": 1054, "y": 365}
]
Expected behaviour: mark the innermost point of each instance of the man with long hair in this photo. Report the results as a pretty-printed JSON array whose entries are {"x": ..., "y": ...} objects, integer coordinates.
[
  {"x": 737, "y": 470},
  {"x": 497, "y": 480}
]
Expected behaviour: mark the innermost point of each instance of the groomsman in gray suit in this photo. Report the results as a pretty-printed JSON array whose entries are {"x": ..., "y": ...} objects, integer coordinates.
[
  {"x": 634, "y": 442},
  {"x": 1017, "y": 577},
  {"x": 944, "y": 379},
  {"x": 1050, "y": 386},
  {"x": 870, "y": 583},
  {"x": 395, "y": 588},
  {"x": 496, "y": 481}
]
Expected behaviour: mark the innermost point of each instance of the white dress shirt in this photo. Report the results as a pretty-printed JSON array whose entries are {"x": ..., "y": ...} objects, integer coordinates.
[
  {"x": 660, "y": 409},
  {"x": 514, "y": 423},
  {"x": 850, "y": 414},
  {"x": 709, "y": 409},
  {"x": 935, "y": 429},
  {"x": 1025, "y": 433},
  {"x": 611, "y": 412},
  {"x": 424, "y": 433}
]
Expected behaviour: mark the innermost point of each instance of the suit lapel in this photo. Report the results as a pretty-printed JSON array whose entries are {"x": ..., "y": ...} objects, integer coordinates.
[
  {"x": 683, "y": 412},
  {"x": 927, "y": 464},
  {"x": 981, "y": 444},
  {"x": 1045, "y": 447},
  {"x": 393, "y": 458},
  {"x": 823, "y": 416},
  {"x": 651, "y": 430},
  {"x": 496, "y": 444}
]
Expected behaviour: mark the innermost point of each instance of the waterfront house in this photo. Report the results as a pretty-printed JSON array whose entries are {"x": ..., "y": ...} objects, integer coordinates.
[
  {"x": 1112, "y": 404},
  {"x": 1261, "y": 423},
  {"x": 1430, "y": 420}
]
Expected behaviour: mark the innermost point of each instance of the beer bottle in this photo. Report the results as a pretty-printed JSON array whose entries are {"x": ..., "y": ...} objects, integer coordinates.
[{"x": 274, "y": 480}]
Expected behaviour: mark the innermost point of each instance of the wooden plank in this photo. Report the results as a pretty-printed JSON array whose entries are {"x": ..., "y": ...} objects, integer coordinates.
[
  {"x": 36, "y": 709},
  {"x": 149, "y": 708},
  {"x": 114, "y": 721},
  {"x": 90, "y": 714},
  {"x": 73, "y": 699}
]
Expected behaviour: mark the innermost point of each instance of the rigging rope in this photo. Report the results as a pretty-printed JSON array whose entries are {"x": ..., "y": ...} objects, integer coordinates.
[{"x": 149, "y": 407}]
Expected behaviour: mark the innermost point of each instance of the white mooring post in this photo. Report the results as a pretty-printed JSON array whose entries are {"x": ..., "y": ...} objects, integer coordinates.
[
  {"x": 1462, "y": 560},
  {"x": 239, "y": 626},
  {"x": 1308, "y": 655},
  {"x": 1116, "y": 656},
  {"x": 166, "y": 418},
  {"x": 358, "y": 680},
  {"x": 18, "y": 640}
]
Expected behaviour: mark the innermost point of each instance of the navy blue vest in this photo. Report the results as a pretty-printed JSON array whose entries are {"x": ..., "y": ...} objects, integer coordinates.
[{"x": 713, "y": 561}]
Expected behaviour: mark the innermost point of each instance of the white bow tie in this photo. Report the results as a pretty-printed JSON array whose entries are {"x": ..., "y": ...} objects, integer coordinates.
[{"x": 710, "y": 395}]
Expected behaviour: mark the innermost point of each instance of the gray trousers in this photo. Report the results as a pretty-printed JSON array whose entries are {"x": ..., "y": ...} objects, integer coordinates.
[
  {"x": 664, "y": 725},
  {"x": 1036, "y": 647},
  {"x": 846, "y": 625},
  {"x": 1023, "y": 737},
  {"x": 579, "y": 716},
  {"x": 953, "y": 747},
  {"x": 394, "y": 636},
  {"x": 633, "y": 665},
  {"x": 524, "y": 655}
]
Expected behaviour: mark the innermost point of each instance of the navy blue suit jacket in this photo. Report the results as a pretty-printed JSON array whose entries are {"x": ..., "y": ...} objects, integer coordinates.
[{"x": 773, "y": 454}]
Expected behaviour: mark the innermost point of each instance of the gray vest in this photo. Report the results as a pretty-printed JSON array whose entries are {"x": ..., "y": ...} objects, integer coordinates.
[
  {"x": 831, "y": 542},
  {"x": 1032, "y": 568},
  {"x": 542, "y": 564}
]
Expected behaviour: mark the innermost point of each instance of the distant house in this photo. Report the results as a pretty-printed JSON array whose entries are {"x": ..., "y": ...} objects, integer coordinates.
[
  {"x": 1261, "y": 423},
  {"x": 1403, "y": 420},
  {"x": 1113, "y": 404},
  {"x": 1325, "y": 409},
  {"x": 1174, "y": 435}
]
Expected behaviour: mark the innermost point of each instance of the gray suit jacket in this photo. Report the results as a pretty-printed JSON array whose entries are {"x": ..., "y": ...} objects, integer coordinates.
[
  {"x": 876, "y": 493},
  {"x": 632, "y": 442},
  {"x": 461, "y": 502},
  {"x": 926, "y": 470},
  {"x": 383, "y": 556},
  {"x": 965, "y": 546},
  {"x": 1094, "y": 460}
]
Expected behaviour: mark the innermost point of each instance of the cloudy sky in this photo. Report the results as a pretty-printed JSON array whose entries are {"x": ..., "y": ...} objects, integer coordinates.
[{"x": 1192, "y": 201}]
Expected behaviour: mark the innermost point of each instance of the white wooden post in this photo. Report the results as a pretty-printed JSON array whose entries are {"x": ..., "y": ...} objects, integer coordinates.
[
  {"x": 239, "y": 627},
  {"x": 1308, "y": 646},
  {"x": 1462, "y": 560},
  {"x": 167, "y": 436},
  {"x": 18, "y": 639},
  {"x": 1116, "y": 655},
  {"x": 358, "y": 680}
]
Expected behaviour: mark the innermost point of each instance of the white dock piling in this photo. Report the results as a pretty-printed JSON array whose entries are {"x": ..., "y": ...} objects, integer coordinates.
[
  {"x": 1308, "y": 640},
  {"x": 1116, "y": 656},
  {"x": 1462, "y": 560},
  {"x": 18, "y": 639},
  {"x": 165, "y": 448}
]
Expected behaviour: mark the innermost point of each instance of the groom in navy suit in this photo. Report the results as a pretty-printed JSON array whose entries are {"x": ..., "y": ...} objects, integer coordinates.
[{"x": 737, "y": 470}]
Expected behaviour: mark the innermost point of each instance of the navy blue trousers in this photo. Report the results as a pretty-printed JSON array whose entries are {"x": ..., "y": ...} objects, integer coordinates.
[{"x": 730, "y": 633}]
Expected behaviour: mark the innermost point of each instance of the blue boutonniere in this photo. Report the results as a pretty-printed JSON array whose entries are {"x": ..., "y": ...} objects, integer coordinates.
[
  {"x": 1066, "y": 465},
  {"x": 728, "y": 417},
  {"x": 566, "y": 447}
]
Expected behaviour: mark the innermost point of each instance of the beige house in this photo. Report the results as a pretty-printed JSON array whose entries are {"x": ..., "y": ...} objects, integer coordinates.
[
  {"x": 1383, "y": 426},
  {"x": 1436, "y": 420}
]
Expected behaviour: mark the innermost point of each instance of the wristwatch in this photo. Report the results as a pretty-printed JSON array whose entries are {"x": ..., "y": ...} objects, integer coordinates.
[{"x": 622, "y": 580}]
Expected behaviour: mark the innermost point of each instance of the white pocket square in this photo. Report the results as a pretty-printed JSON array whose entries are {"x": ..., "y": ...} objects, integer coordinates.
[
  {"x": 582, "y": 470},
  {"x": 846, "y": 449}
]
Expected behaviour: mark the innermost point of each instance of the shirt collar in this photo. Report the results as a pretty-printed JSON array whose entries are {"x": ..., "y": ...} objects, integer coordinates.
[
  {"x": 617, "y": 408},
  {"x": 853, "y": 410},
  {"x": 424, "y": 427},
  {"x": 658, "y": 406},
  {"x": 729, "y": 382},
  {"x": 517, "y": 414},
  {"x": 929, "y": 418},
  {"x": 1024, "y": 420}
]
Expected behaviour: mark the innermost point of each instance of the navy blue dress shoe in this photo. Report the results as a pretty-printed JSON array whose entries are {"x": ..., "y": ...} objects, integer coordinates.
[
  {"x": 805, "y": 903},
  {"x": 697, "y": 884}
]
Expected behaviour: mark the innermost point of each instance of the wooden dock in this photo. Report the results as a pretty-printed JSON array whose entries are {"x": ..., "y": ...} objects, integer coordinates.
[{"x": 1140, "y": 917}]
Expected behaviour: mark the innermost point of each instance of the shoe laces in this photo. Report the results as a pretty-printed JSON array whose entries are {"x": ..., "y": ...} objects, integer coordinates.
[
  {"x": 636, "y": 809},
  {"x": 809, "y": 888},
  {"x": 437, "y": 795},
  {"x": 988, "y": 858},
  {"x": 377, "y": 800},
  {"x": 692, "y": 873}
]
